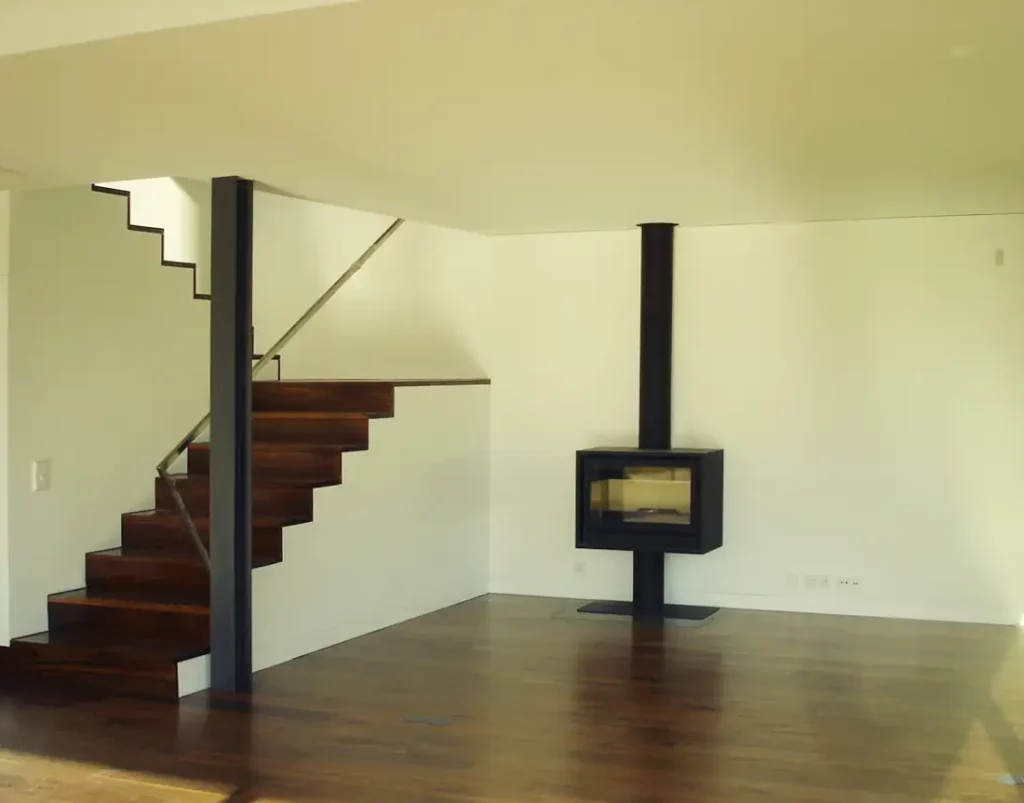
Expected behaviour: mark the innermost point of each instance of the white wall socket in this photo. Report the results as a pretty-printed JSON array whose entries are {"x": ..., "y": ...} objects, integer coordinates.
[
  {"x": 40, "y": 475},
  {"x": 848, "y": 583},
  {"x": 817, "y": 582}
]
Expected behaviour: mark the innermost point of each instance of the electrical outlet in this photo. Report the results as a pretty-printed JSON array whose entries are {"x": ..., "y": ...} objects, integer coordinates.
[
  {"x": 817, "y": 582},
  {"x": 40, "y": 475},
  {"x": 848, "y": 583}
]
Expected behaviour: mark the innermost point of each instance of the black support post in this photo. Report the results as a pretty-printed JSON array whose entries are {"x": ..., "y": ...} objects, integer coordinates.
[{"x": 231, "y": 435}]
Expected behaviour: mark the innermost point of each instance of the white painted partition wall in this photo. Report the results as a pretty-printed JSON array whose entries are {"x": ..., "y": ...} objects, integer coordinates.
[
  {"x": 181, "y": 207},
  {"x": 405, "y": 534},
  {"x": 412, "y": 312}
]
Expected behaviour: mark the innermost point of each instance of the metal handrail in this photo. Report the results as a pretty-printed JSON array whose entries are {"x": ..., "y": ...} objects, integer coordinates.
[{"x": 273, "y": 351}]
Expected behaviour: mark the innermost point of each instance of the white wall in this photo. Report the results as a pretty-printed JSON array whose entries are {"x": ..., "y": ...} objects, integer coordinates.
[
  {"x": 108, "y": 369},
  {"x": 865, "y": 379},
  {"x": 410, "y": 313},
  {"x": 405, "y": 534},
  {"x": 5, "y": 269},
  {"x": 181, "y": 207}
]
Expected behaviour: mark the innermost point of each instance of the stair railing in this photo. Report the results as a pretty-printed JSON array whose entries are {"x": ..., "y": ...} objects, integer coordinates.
[{"x": 163, "y": 467}]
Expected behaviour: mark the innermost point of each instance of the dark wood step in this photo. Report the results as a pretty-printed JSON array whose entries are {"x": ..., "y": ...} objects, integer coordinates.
[
  {"x": 117, "y": 570},
  {"x": 290, "y": 503},
  {"x": 373, "y": 399},
  {"x": 311, "y": 428},
  {"x": 99, "y": 661},
  {"x": 156, "y": 648},
  {"x": 280, "y": 463},
  {"x": 160, "y": 531},
  {"x": 129, "y": 616}
]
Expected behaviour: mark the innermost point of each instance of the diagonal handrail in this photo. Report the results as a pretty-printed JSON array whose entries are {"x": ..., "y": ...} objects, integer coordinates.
[{"x": 164, "y": 465}]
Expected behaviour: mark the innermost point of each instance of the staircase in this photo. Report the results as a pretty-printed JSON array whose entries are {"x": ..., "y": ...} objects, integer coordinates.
[{"x": 145, "y": 605}]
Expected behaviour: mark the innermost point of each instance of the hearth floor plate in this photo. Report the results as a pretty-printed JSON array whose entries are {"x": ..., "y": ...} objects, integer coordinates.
[{"x": 678, "y": 615}]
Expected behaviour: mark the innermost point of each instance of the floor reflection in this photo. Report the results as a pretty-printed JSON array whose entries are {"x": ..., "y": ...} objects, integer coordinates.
[
  {"x": 30, "y": 778},
  {"x": 916, "y": 702},
  {"x": 504, "y": 700},
  {"x": 646, "y": 707}
]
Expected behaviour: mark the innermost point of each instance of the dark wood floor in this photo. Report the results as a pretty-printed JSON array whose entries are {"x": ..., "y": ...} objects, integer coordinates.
[{"x": 506, "y": 700}]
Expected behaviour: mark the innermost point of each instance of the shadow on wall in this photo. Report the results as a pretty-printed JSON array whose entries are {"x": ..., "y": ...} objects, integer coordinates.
[
  {"x": 394, "y": 319},
  {"x": 196, "y": 193},
  {"x": 179, "y": 206}
]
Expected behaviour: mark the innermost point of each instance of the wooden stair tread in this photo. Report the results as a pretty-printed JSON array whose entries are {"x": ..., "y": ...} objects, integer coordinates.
[
  {"x": 281, "y": 481},
  {"x": 285, "y": 500},
  {"x": 139, "y": 600},
  {"x": 160, "y": 647},
  {"x": 371, "y": 399},
  {"x": 145, "y": 554},
  {"x": 299, "y": 481},
  {"x": 320, "y": 415},
  {"x": 289, "y": 425},
  {"x": 202, "y": 521},
  {"x": 384, "y": 383},
  {"x": 187, "y": 558},
  {"x": 161, "y": 514},
  {"x": 285, "y": 446}
]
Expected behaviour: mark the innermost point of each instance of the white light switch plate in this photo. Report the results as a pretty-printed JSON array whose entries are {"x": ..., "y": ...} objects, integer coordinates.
[{"x": 40, "y": 475}]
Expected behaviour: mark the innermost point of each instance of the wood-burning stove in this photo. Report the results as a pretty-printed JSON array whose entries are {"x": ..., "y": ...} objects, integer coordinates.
[{"x": 653, "y": 500}]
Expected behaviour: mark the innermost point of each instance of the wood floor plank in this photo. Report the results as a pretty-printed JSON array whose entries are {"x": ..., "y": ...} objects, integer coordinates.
[{"x": 512, "y": 700}]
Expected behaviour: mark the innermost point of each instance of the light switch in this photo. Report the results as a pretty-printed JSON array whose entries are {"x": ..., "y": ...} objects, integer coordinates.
[{"x": 40, "y": 475}]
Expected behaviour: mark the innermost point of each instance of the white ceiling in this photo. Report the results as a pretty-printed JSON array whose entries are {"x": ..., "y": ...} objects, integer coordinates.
[
  {"x": 548, "y": 115},
  {"x": 27, "y": 25}
]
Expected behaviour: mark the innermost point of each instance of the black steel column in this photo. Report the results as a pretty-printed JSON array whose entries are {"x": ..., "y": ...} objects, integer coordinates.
[
  {"x": 657, "y": 249},
  {"x": 231, "y": 435}
]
